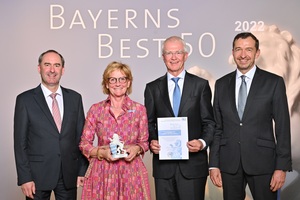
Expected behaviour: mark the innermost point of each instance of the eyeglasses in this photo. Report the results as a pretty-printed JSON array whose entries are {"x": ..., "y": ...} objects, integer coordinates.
[
  {"x": 114, "y": 80},
  {"x": 176, "y": 53}
]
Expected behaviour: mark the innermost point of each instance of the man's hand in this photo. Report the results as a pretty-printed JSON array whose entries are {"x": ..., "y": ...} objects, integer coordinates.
[
  {"x": 80, "y": 180},
  {"x": 215, "y": 177},
  {"x": 154, "y": 146},
  {"x": 28, "y": 189},
  {"x": 194, "y": 145},
  {"x": 277, "y": 180}
]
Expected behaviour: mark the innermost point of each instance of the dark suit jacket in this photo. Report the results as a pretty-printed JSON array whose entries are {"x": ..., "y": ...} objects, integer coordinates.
[
  {"x": 251, "y": 141},
  {"x": 196, "y": 105},
  {"x": 40, "y": 150}
]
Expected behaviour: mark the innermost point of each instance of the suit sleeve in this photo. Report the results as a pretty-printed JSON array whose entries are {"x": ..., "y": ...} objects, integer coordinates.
[
  {"x": 207, "y": 116},
  {"x": 282, "y": 128},
  {"x": 150, "y": 107},
  {"x": 215, "y": 145},
  {"x": 83, "y": 162},
  {"x": 21, "y": 123}
]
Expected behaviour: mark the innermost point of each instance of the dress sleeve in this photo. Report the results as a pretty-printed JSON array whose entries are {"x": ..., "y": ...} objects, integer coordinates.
[
  {"x": 88, "y": 134},
  {"x": 143, "y": 130}
]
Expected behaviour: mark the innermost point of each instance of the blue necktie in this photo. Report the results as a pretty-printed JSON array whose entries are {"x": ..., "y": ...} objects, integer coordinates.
[
  {"x": 242, "y": 97},
  {"x": 176, "y": 96}
]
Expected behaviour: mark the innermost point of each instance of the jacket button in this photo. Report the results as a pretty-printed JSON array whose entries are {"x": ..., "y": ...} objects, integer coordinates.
[{"x": 241, "y": 124}]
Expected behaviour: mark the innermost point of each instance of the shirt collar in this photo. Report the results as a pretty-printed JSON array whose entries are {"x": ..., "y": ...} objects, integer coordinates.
[
  {"x": 249, "y": 74},
  {"x": 47, "y": 92},
  {"x": 181, "y": 75},
  {"x": 126, "y": 103}
]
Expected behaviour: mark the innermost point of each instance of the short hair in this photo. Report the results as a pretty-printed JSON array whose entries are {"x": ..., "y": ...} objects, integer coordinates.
[
  {"x": 173, "y": 38},
  {"x": 51, "y": 51},
  {"x": 245, "y": 35},
  {"x": 112, "y": 67}
]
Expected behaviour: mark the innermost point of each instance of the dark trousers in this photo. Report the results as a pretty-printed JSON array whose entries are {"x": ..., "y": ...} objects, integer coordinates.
[
  {"x": 60, "y": 192},
  {"x": 180, "y": 188},
  {"x": 234, "y": 186}
]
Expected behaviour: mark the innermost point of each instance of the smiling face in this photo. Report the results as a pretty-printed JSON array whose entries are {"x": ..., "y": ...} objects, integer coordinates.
[
  {"x": 244, "y": 53},
  {"x": 174, "y": 56},
  {"x": 119, "y": 87},
  {"x": 51, "y": 70}
]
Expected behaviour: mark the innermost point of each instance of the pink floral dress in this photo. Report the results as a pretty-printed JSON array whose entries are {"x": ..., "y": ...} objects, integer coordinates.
[{"x": 119, "y": 180}]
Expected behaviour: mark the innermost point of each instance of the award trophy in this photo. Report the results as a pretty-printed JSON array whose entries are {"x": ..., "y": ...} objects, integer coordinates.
[{"x": 117, "y": 147}]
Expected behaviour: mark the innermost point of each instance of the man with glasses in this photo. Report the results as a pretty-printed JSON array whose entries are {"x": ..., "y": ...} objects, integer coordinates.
[{"x": 180, "y": 179}]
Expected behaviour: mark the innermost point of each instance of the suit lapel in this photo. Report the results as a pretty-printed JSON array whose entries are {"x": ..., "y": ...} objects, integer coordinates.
[
  {"x": 67, "y": 108},
  {"x": 41, "y": 101},
  {"x": 255, "y": 85},
  {"x": 186, "y": 91},
  {"x": 163, "y": 88},
  {"x": 231, "y": 92}
]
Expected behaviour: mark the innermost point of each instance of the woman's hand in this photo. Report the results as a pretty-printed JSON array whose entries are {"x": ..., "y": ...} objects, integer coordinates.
[
  {"x": 105, "y": 153},
  {"x": 132, "y": 151}
]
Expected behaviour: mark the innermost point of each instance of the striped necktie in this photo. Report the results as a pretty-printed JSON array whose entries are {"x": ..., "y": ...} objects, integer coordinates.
[{"x": 55, "y": 111}]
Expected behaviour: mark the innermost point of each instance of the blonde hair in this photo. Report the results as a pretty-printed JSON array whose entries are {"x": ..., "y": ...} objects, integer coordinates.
[{"x": 112, "y": 67}]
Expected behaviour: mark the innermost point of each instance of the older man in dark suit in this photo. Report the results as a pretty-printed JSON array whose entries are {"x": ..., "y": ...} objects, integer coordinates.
[
  {"x": 46, "y": 138},
  {"x": 252, "y": 143},
  {"x": 180, "y": 179}
]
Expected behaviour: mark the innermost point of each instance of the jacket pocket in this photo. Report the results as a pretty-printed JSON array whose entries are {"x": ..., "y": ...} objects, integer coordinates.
[
  {"x": 36, "y": 158},
  {"x": 265, "y": 143}
]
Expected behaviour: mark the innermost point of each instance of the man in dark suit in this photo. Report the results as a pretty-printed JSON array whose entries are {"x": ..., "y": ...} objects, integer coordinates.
[
  {"x": 47, "y": 155},
  {"x": 180, "y": 179},
  {"x": 254, "y": 147}
]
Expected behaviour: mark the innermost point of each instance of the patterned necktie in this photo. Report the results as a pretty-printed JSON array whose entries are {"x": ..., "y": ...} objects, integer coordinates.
[
  {"x": 176, "y": 96},
  {"x": 55, "y": 111},
  {"x": 242, "y": 97}
]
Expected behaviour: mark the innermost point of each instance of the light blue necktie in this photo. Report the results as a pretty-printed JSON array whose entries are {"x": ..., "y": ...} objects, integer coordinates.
[
  {"x": 242, "y": 97},
  {"x": 176, "y": 96}
]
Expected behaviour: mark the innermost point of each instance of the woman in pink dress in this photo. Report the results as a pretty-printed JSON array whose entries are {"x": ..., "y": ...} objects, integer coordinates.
[{"x": 109, "y": 178}]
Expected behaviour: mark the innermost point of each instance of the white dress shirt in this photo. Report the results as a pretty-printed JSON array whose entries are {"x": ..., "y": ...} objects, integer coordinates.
[
  {"x": 49, "y": 100},
  {"x": 248, "y": 78}
]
